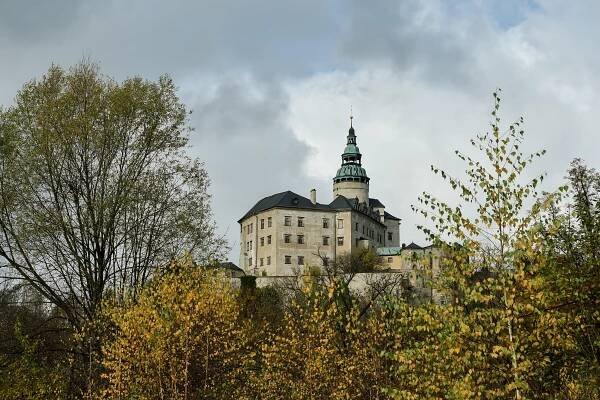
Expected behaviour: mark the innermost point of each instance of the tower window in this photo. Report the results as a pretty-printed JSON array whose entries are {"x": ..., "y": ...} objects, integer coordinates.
[
  {"x": 325, "y": 223},
  {"x": 269, "y": 222},
  {"x": 301, "y": 222},
  {"x": 262, "y": 262},
  {"x": 300, "y": 260},
  {"x": 288, "y": 259},
  {"x": 340, "y": 223},
  {"x": 300, "y": 239},
  {"x": 250, "y": 261},
  {"x": 269, "y": 260},
  {"x": 269, "y": 239},
  {"x": 287, "y": 238},
  {"x": 340, "y": 241},
  {"x": 325, "y": 240},
  {"x": 262, "y": 241},
  {"x": 390, "y": 236},
  {"x": 356, "y": 227},
  {"x": 287, "y": 220},
  {"x": 262, "y": 224}
]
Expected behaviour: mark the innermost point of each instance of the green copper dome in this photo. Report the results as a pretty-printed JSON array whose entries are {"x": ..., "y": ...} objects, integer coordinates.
[{"x": 351, "y": 171}]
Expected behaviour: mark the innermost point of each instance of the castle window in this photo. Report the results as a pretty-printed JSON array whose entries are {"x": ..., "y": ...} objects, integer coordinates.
[
  {"x": 250, "y": 261},
  {"x": 262, "y": 241},
  {"x": 325, "y": 223},
  {"x": 300, "y": 239},
  {"x": 390, "y": 236},
  {"x": 269, "y": 260},
  {"x": 288, "y": 259},
  {"x": 325, "y": 240},
  {"x": 262, "y": 224},
  {"x": 287, "y": 238},
  {"x": 269, "y": 239},
  {"x": 390, "y": 259},
  {"x": 269, "y": 222},
  {"x": 340, "y": 223},
  {"x": 262, "y": 262},
  {"x": 301, "y": 222},
  {"x": 340, "y": 241},
  {"x": 287, "y": 220},
  {"x": 300, "y": 260},
  {"x": 250, "y": 228}
]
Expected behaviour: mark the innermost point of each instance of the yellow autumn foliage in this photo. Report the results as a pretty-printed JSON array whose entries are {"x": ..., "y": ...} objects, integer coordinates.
[{"x": 180, "y": 340}]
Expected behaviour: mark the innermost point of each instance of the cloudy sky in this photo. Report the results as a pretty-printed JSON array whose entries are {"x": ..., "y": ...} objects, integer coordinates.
[{"x": 270, "y": 83}]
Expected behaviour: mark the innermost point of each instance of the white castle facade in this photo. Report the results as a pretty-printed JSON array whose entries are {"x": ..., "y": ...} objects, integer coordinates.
[{"x": 285, "y": 232}]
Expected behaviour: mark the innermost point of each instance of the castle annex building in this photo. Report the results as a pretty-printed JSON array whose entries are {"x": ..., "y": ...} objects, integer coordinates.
[{"x": 286, "y": 231}]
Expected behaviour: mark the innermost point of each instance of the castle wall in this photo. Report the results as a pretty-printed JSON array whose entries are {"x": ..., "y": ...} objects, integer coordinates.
[
  {"x": 392, "y": 226},
  {"x": 364, "y": 227}
]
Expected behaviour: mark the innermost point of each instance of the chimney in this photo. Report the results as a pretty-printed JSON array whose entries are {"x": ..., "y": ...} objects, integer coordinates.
[{"x": 313, "y": 196}]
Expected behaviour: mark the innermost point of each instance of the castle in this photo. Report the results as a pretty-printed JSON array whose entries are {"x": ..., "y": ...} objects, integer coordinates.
[{"x": 287, "y": 231}]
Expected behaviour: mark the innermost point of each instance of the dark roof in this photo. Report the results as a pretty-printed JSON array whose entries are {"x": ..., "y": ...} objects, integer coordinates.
[
  {"x": 285, "y": 199},
  {"x": 289, "y": 199},
  {"x": 229, "y": 265},
  {"x": 375, "y": 203},
  {"x": 387, "y": 215},
  {"x": 342, "y": 203},
  {"x": 413, "y": 246}
]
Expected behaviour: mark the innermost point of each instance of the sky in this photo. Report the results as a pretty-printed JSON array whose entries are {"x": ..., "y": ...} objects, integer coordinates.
[{"x": 270, "y": 84}]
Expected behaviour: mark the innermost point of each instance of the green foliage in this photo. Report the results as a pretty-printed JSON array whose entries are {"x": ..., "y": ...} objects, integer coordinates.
[
  {"x": 31, "y": 337},
  {"x": 247, "y": 283},
  {"x": 96, "y": 191},
  {"x": 572, "y": 235},
  {"x": 30, "y": 375}
]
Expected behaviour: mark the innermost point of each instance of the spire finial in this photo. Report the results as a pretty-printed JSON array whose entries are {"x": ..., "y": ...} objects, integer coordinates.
[{"x": 351, "y": 116}]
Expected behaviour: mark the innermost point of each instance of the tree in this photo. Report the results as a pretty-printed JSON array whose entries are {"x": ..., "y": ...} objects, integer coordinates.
[
  {"x": 180, "y": 340},
  {"x": 502, "y": 336},
  {"x": 573, "y": 277},
  {"x": 96, "y": 192},
  {"x": 325, "y": 348}
]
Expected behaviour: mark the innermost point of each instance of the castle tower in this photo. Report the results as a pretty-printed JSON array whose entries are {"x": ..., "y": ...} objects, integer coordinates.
[{"x": 351, "y": 180}]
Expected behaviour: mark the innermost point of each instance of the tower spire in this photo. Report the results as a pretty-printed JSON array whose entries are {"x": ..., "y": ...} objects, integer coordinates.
[
  {"x": 351, "y": 130},
  {"x": 351, "y": 180}
]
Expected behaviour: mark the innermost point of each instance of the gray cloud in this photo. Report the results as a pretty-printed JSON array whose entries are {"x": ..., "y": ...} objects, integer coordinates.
[
  {"x": 249, "y": 150},
  {"x": 24, "y": 22}
]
